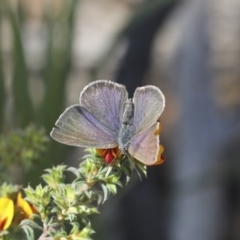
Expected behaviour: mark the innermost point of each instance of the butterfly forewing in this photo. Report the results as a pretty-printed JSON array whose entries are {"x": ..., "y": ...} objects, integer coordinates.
[
  {"x": 105, "y": 100},
  {"x": 149, "y": 103},
  {"x": 77, "y": 127}
]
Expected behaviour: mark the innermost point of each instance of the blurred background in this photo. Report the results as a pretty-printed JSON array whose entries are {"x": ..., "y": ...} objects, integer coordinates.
[{"x": 50, "y": 49}]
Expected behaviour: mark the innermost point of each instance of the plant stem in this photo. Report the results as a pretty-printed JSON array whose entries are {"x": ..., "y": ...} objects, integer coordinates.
[{"x": 45, "y": 233}]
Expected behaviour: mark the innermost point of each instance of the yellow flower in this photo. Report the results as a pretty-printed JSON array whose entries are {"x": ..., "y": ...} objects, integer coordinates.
[
  {"x": 6, "y": 213},
  {"x": 26, "y": 208}
]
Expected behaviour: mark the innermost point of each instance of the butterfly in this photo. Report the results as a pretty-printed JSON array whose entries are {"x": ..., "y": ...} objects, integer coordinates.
[{"x": 106, "y": 118}]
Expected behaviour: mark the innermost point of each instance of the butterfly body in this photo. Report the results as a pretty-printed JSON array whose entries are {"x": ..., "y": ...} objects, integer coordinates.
[
  {"x": 126, "y": 130},
  {"x": 105, "y": 118}
]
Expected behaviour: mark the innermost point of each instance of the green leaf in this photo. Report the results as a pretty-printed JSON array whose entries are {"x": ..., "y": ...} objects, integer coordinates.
[
  {"x": 28, "y": 230},
  {"x": 112, "y": 188},
  {"x": 105, "y": 192},
  {"x": 74, "y": 171},
  {"x": 30, "y": 223}
]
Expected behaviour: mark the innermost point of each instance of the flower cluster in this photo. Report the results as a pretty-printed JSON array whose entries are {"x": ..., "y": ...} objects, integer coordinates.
[
  {"x": 21, "y": 148},
  {"x": 13, "y": 211}
]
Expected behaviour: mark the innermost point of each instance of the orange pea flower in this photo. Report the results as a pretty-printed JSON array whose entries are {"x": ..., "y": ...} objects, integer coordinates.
[
  {"x": 109, "y": 154},
  {"x": 26, "y": 208}
]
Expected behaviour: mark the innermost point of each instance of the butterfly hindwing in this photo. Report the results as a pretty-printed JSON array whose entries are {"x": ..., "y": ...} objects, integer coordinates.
[{"x": 145, "y": 146}]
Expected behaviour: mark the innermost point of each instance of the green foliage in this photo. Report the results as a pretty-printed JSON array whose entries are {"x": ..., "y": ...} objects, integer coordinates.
[
  {"x": 64, "y": 208},
  {"x": 8, "y": 190},
  {"x": 58, "y": 61},
  {"x": 2, "y": 79},
  {"x": 22, "y": 102},
  {"x": 21, "y": 148},
  {"x": 53, "y": 74},
  {"x": 2, "y": 90}
]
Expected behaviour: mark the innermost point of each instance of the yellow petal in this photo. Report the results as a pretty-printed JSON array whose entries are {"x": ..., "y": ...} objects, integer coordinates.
[
  {"x": 6, "y": 212},
  {"x": 24, "y": 205}
]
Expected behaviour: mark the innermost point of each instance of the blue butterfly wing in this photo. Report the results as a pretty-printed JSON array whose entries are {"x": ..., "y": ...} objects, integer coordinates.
[
  {"x": 149, "y": 103},
  {"x": 96, "y": 121},
  {"x": 77, "y": 127},
  {"x": 105, "y": 100}
]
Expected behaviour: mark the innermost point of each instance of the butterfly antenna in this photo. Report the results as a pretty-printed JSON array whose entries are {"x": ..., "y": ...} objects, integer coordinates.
[{"x": 131, "y": 161}]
